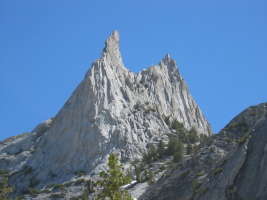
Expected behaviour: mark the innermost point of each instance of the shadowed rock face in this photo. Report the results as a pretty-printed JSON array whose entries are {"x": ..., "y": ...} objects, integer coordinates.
[
  {"x": 113, "y": 110},
  {"x": 244, "y": 175},
  {"x": 235, "y": 169}
]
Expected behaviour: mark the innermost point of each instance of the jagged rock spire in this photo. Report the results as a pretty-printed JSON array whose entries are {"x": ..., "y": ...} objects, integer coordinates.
[
  {"x": 112, "y": 42},
  {"x": 109, "y": 112},
  {"x": 169, "y": 63},
  {"x": 112, "y": 52}
]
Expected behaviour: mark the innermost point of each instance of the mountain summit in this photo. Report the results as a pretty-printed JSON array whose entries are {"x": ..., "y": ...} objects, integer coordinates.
[{"x": 113, "y": 110}]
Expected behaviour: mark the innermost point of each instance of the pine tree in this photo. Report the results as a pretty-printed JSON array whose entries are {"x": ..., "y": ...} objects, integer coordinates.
[
  {"x": 151, "y": 179},
  {"x": 85, "y": 195},
  {"x": 161, "y": 149},
  {"x": 113, "y": 180},
  {"x": 174, "y": 146},
  {"x": 178, "y": 156},
  {"x": 137, "y": 171},
  {"x": 190, "y": 149},
  {"x": 192, "y": 135},
  {"x": 4, "y": 188}
]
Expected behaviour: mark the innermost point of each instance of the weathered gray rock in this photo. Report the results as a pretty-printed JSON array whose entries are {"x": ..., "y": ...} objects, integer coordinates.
[
  {"x": 244, "y": 174},
  {"x": 230, "y": 165},
  {"x": 112, "y": 110}
]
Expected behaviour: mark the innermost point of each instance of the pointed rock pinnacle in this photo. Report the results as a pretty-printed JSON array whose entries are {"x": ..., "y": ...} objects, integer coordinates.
[{"x": 112, "y": 44}]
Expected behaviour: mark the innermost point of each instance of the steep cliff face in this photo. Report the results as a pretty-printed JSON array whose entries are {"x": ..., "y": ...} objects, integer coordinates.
[
  {"x": 229, "y": 165},
  {"x": 113, "y": 110},
  {"x": 244, "y": 174}
]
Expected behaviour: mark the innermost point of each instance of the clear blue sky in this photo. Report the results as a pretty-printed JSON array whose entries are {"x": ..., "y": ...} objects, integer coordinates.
[{"x": 46, "y": 47}]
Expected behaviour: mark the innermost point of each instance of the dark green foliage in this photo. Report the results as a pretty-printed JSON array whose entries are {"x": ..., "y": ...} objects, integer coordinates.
[
  {"x": 53, "y": 175},
  {"x": 243, "y": 140},
  {"x": 196, "y": 157},
  {"x": 209, "y": 142},
  {"x": 3, "y": 172},
  {"x": 203, "y": 190},
  {"x": 137, "y": 106},
  {"x": 21, "y": 197},
  {"x": 34, "y": 192},
  {"x": 151, "y": 179},
  {"x": 112, "y": 181},
  {"x": 19, "y": 152},
  {"x": 56, "y": 186},
  {"x": 171, "y": 165},
  {"x": 174, "y": 145},
  {"x": 151, "y": 155},
  {"x": 228, "y": 140},
  {"x": 52, "y": 185},
  {"x": 246, "y": 129},
  {"x": 233, "y": 193},
  {"x": 80, "y": 181},
  {"x": 161, "y": 149},
  {"x": 195, "y": 148},
  {"x": 183, "y": 137},
  {"x": 239, "y": 125},
  {"x": 62, "y": 187},
  {"x": 146, "y": 111},
  {"x": 162, "y": 168},
  {"x": 153, "y": 109},
  {"x": 4, "y": 188},
  {"x": 85, "y": 195},
  {"x": 178, "y": 156},
  {"x": 137, "y": 171},
  {"x": 195, "y": 185},
  {"x": 24, "y": 191},
  {"x": 46, "y": 191},
  {"x": 184, "y": 174},
  {"x": 146, "y": 175},
  {"x": 189, "y": 148},
  {"x": 33, "y": 182},
  {"x": 76, "y": 198},
  {"x": 167, "y": 120},
  {"x": 27, "y": 170},
  {"x": 30, "y": 150},
  {"x": 224, "y": 161},
  {"x": 253, "y": 113},
  {"x": 212, "y": 149},
  {"x": 89, "y": 184},
  {"x": 203, "y": 137},
  {"x": 140, "y": 172},
  {"x": 199, "y": 174},
  {"x": 68, "y": 183},
  {"x": 192, "y": 135},
  {"x": 218, "y": 171},
  {"x": 178, "y": 126},
  {"x": 80, "y": 173},
  {"x": 150, "y": 110},
  {"x": 55, "y": 195}
]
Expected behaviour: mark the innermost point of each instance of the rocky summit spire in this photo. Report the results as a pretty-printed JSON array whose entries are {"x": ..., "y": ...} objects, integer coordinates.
[
  {"x": 169, "y": 63},
  {"x": 112, "y": 50},
  {"x": 112, "y": 43},
  {"x": 112, "y": 110}
]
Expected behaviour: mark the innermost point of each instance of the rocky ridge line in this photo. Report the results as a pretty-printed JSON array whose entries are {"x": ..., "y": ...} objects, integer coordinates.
[{"x": 113, "y": 110}]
